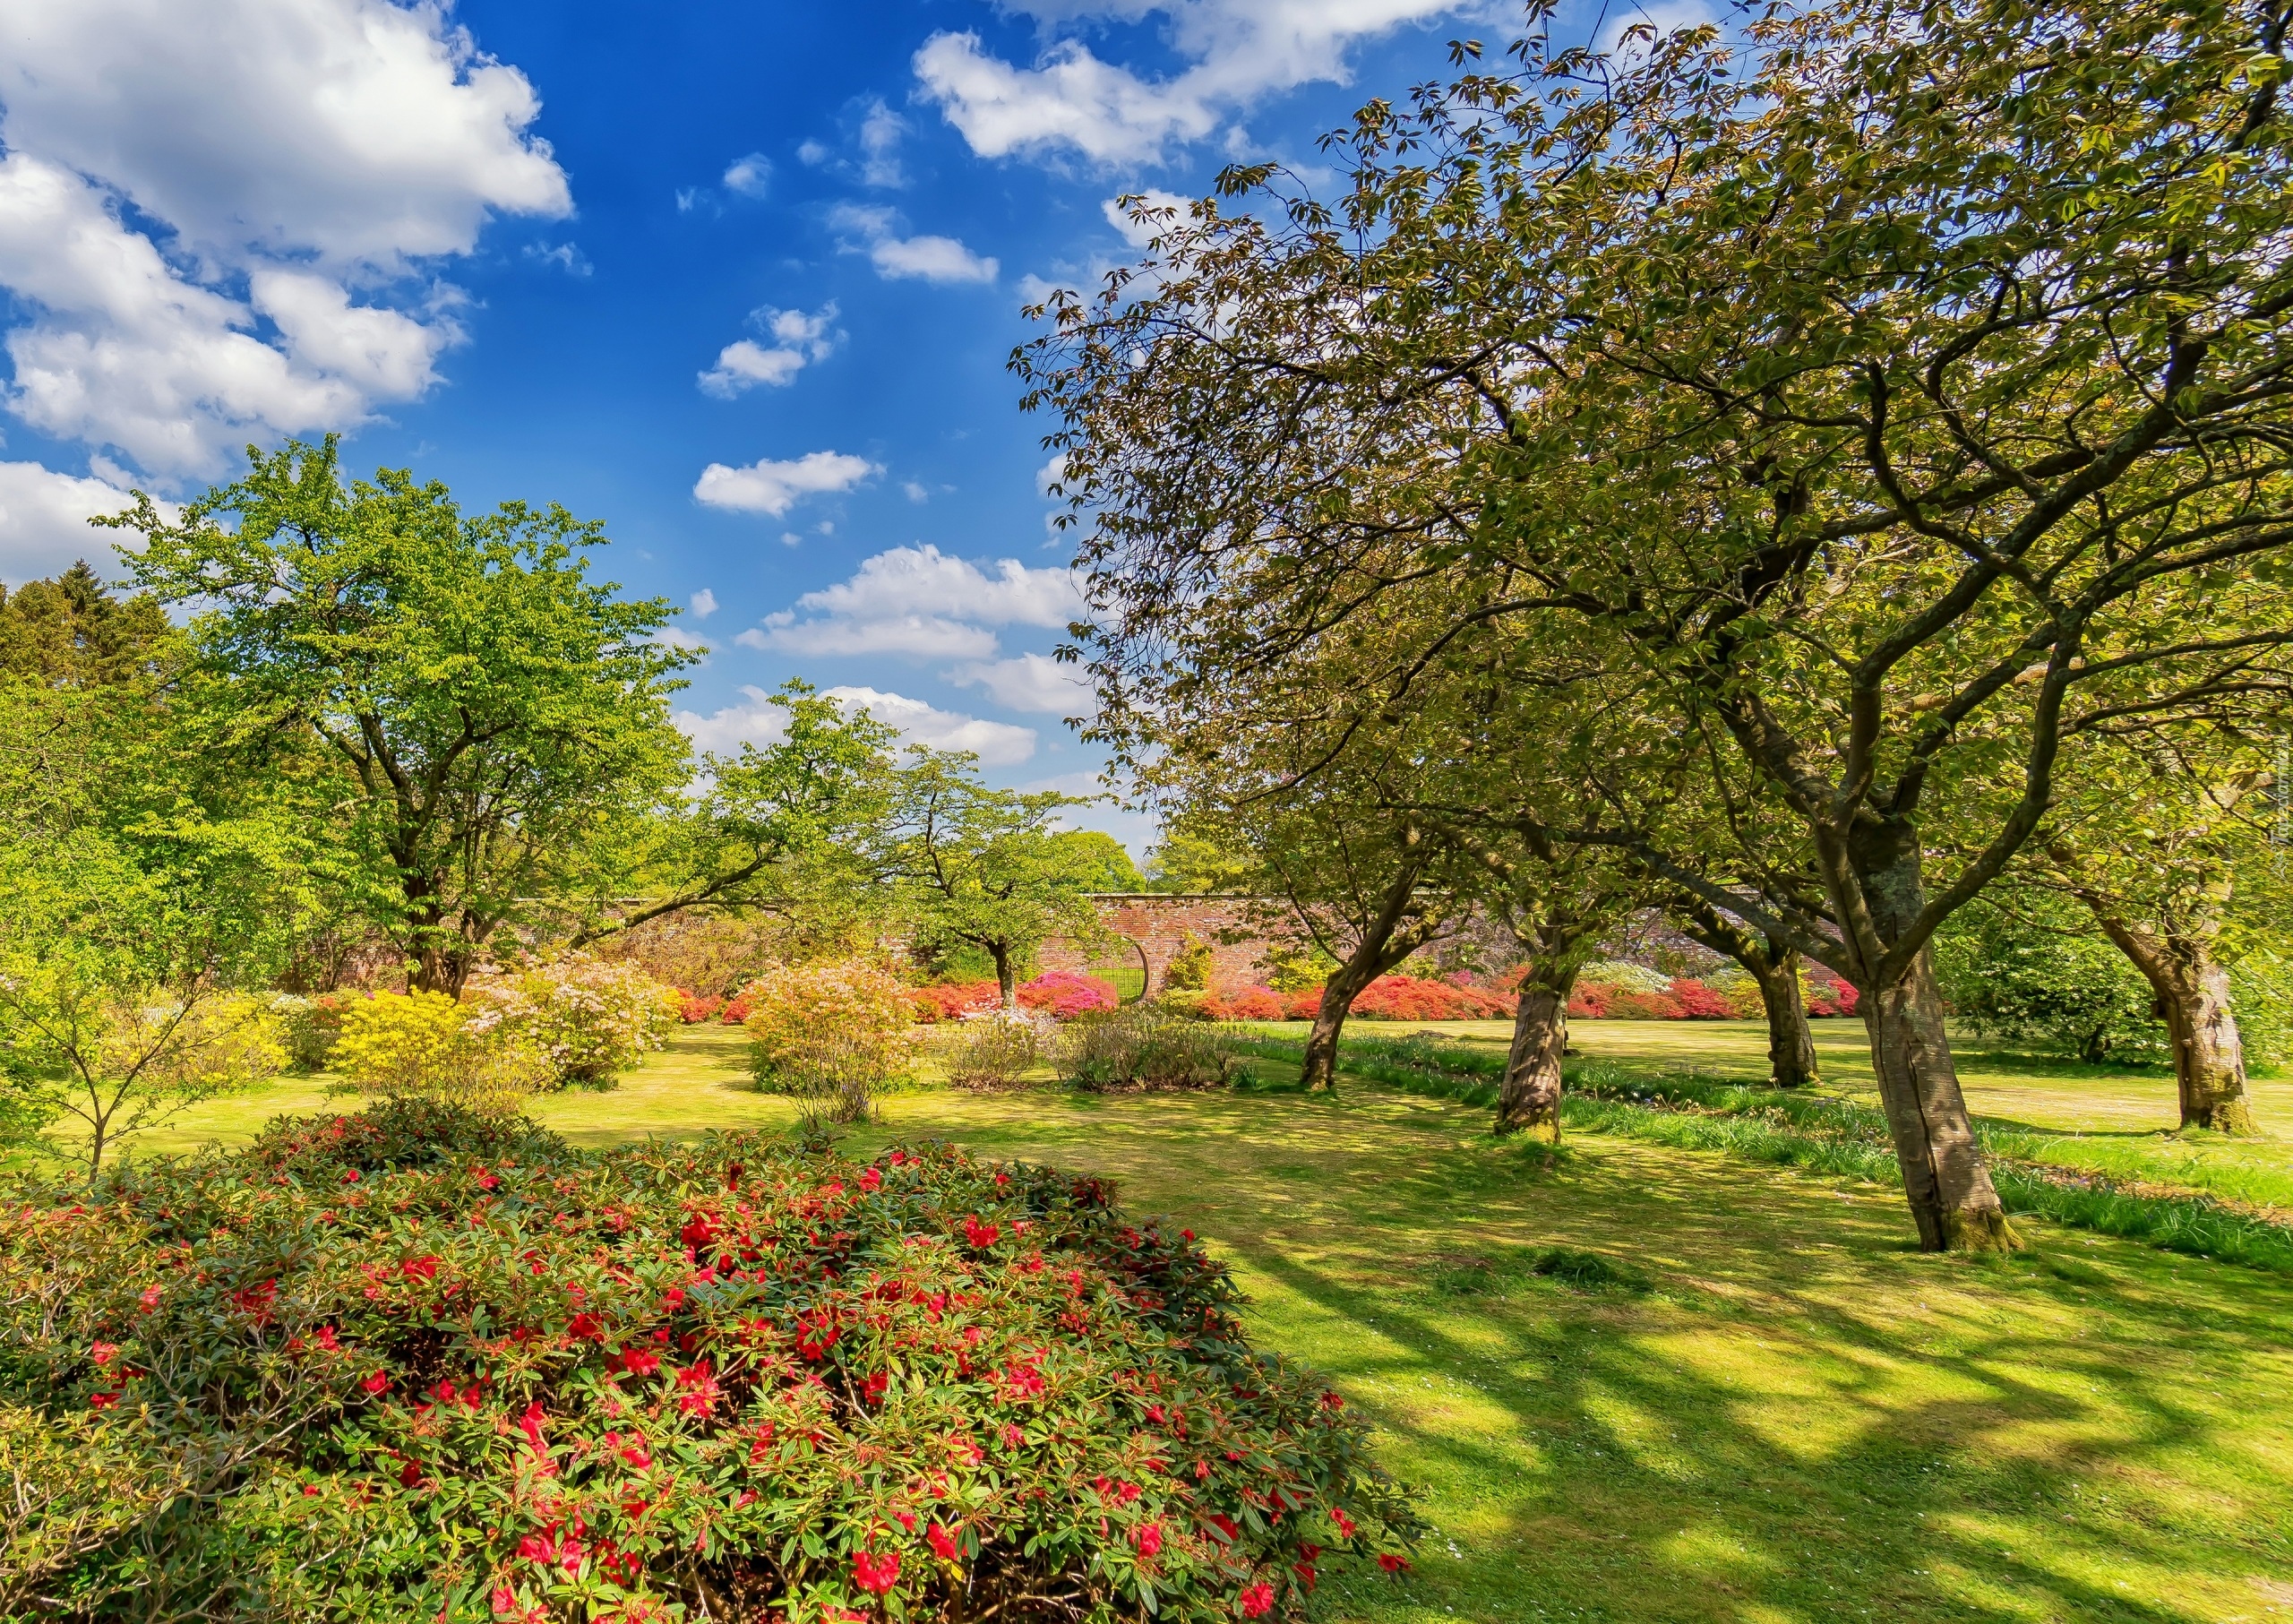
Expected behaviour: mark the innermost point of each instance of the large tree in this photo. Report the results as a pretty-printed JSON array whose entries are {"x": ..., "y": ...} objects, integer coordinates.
[
  {"x": 483, "y": 719},
  {"x": 1907, "y": 402}
]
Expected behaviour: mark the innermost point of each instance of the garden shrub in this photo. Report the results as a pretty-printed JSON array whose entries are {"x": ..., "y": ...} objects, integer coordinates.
[
  {"x": 308, "y": 1028},
  {"x": 832, "y": 1035},
  {"x": 591, "y": 1018},
  {"x": 693, "y": 1008},
  {"x": 424, "y": 1045},
  {"x": 1189, "y": 970},
  {"x": 1143, "y": 1046},
  {"x": 991, "y": 1051},
  {"x": 419, "y": 1364},
  {"x": 952, "y": 1001},
  {"x": 1063, "y": 995},
  {"x": 1245, "y": 1003}
]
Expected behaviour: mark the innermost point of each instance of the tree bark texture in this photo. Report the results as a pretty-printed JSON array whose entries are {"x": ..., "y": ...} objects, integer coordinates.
[
  {"x": 1531, "y": 1089},
  {"x": 1953, "y": 1201},
  {"x": 1005, "y": 981},
  {"x": 1791, "y": 1044},
  {"x": 1383, "y": 945},
  {"x": 2192, "y": 990}
]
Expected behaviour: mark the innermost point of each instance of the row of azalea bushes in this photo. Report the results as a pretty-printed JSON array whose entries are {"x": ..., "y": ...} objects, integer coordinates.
[
  {"x": 424, "y": 1364},
  {"x": 1060, "y": 995},
  {"x": 1411, "y": 998}
]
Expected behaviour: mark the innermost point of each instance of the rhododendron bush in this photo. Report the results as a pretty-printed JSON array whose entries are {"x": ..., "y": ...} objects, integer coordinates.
[
  {"x": 591, "y": 1018},
  {"x": 418, "y": 1364},
  {"x": 1060, "y": 995},
  {"x": 859, "y": 1009},
  {"x": 425, "y": 1045}
]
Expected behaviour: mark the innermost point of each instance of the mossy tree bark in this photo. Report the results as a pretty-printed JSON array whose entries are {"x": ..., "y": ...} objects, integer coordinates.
[
  {"x": 1531, "y": 1094},
  {"x": 2192, "y": 990},
  {"x": 1774, "y": 964}
]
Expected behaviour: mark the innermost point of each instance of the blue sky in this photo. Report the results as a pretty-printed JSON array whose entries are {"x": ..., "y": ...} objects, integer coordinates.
[{"x": 739, "y": 281}]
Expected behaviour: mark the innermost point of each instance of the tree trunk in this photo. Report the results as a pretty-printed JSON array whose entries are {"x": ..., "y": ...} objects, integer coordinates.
[
  {"x": 1319, "y": 1071},
  {"x": 2193, "y": 991},
  {"x": 1952, "y": 1200},
  {"x": 1790, "y": 1044},
  {"x": 1004, "y": 978},
  {"x": 1532, "y": 1090}
]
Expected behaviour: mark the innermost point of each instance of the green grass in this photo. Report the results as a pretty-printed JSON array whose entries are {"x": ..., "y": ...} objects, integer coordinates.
[{"x": 1644, "y": 1381}]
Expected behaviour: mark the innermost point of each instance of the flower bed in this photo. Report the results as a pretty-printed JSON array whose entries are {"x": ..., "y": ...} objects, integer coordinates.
[
  {"x": 1060, "y": 994},
  {"x": 415, "y": 1364}
]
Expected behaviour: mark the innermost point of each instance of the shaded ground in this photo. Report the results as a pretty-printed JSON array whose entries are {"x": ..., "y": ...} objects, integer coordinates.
[{"x": 1803, "y": 1420}]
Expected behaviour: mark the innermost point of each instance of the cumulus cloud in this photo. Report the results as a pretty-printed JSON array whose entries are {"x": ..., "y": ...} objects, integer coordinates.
[
  {"x": 750, "y": 177},
  {"x": 296, "y": 148},
  {"x": 1155, "y": 198},
  {"x": 754, "y": 719},
  {"x": 869, "y": 150},
  {"x": 44, "y": 522},
  {"x": 704, "y": 604},
  {"x": 995, "y": 743},
  {"x": 928, "y": 259},
  {"x": 921, "y": 604},
  {"x": 1070, "y": 101},
  {"x": 773, "y": 488},
  {"x": 798, "y": 339},
  {"x": 1031, "y": 682}
]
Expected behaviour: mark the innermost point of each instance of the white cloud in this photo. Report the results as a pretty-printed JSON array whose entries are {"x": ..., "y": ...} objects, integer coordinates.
[
  {"x": 773, "y": 488},
  {"x": 930, "y": 259},
  {"x": 812, "y": 153},
  {"x": 798, "y": 339},
  {"x": 1137, "y": 235},
  {"x": 306, "y": 146},
  {"x": 995, "y": 743},
  {"x": 922, "y": 604},
  {"x": 1239, "y": 51},
  {"x": 704, "y": 604},
  {"x": 44, "y": 522},
  {"x": 749, "y": 176},
  {"x": 757, "y": 721},
  {"x": 1033, "y": 681},
  {"x": 914, "y": 492},
  {"x": 677, "y": 637},
  {"x": 567, "y": 257},
  {"x": 880, "y": 130},
  {"x": 1050, "y": 473}
]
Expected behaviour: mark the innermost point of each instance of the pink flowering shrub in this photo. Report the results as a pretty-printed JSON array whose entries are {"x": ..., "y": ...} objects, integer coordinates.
[
  {"x": 419, "y": 1364},
  {"x": 952, "y": 1001},
  {"x": 1064, "y": 995}
]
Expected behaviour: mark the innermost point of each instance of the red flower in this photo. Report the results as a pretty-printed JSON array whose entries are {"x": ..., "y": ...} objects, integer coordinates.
[
  {"x": 639, "y": 1363},
  {"x": 102, "y": 1354},
  {"x": 872, "y": 1391},
  {"x": 1225, "y": 1525},
  {"x": 1331, "y": 1401},
  {"x": 535, "y": 1548},
  {"x": 699, "y": 1232},
  {"x": 870, "y": 1179},
  {"x": 329, "y": 1340},
  {"x": 1258, "y": 1600},
  {"x": 420, "y": 1268},
  {"x": 103, "y": 1401},
  {"x": 875, "y": 1573},
  {"x": 410, "y": 1473},
  {"x": 1148, "y": 1539},
  {"x": 1345, "y": 1523},
  {"x": 150, "y": 1299},
  {"x": 503, "y": 1601},
  {"x": 375, "y": 1383},
  {"x": 350, "y": 1175},
  {"x": 943, "y": 1543},
  {"x": 1305, "y": 1572},
  {"x": 585, "y": 1327},
  {"x": 1392, "y": 1563},
  {"x": 981, "y": 1235},
  {"x": 529, "y": 1423},
  {"x": 1011, "y": 1436}
]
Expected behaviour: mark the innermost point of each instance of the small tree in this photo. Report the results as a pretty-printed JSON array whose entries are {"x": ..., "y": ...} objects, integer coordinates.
[
  {"x": 990, "y": 868},
  {"x": 119, "y": 1005},
  {"x": 483, "y": 722}
]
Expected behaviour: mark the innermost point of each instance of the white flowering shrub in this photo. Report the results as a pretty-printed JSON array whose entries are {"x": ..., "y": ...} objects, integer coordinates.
[{"x": 589, "y": 1017}]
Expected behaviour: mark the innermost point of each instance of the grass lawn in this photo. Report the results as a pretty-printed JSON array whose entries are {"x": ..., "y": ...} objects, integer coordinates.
[{"x": 1801, "y": 1420}]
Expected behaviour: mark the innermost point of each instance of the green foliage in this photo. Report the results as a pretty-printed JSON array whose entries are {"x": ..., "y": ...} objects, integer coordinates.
[
  {"x": 419, "y": 1365},
  {"x": 990, "y": 1052},
  {"x": 1143, "y": 1046},
  {"x": 1189, "y": 970},
  {"x": 71, "y": 632},
  {"x": 487, "y": 722},
  {"x": 1298, "y": 968},
  {"x": 833, "y": 1034},
  {"x": 591, "y": 1018},
  {"x": 2033, "y": 968}
]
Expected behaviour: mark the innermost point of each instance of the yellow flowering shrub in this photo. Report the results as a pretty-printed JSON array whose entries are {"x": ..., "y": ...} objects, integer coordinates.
[
  {"x": 844, "y": 1028},
  {"x": 426, "y": 1045}
]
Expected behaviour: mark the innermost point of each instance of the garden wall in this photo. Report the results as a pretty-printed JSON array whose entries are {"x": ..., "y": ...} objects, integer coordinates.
[{"x": 1238, "y": 931}]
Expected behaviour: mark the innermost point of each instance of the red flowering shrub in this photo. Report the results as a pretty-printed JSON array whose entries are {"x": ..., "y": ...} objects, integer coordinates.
[
  {"x": 1407, "y": 998},
  {"x": 1700, "y": 1003},
  {"x": 415, "y": 1364},
  {"x": 952, "y": 1000},
  {"x": 1065, "y": 995},
  {"x": 735, "y": 1011},
  {"x": 695, "y": 1007},
  {"x": 1246, "y": 1003},
  {"x": 1829, "y": 995}
]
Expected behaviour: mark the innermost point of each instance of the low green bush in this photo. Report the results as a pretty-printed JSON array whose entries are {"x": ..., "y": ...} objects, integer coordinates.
[
  {"x": 1144, "y": 1046},
  {"x": 424, "y": 1364}
]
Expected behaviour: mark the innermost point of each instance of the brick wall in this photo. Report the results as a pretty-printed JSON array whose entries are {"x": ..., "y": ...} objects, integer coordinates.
[{"x": 1240, "y": 933}]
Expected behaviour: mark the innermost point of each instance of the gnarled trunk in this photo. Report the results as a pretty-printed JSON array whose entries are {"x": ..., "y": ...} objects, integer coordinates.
[
  {"x": 1338, "y": 994},
  {"x": 1790, "y": 1044},
  {"x": 1005, "y": 980},
  {"x": 1532, "y": 1090},
  {"x": 2193, "y": 991},
  {"x": 1952, "y": 1200}
]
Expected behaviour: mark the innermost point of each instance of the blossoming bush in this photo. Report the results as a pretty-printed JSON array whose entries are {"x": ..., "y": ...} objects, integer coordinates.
[
  {"x": 861, "y": 1007},
  {"x": 1063, "y": 995},
  {"x": 1402, "y": 998},
  {"x": 425, "y": 1045},
  {"x": 591, "y": 1018},
  {"x": 419, "y": 1364},
  {"x": 952, "y": 1001}
]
